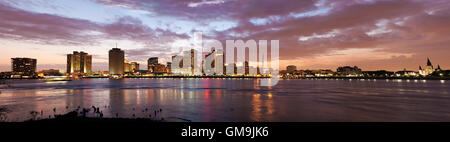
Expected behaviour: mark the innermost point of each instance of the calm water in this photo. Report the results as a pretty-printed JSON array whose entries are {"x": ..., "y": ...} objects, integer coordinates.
[{"x": 234, "y": 100}]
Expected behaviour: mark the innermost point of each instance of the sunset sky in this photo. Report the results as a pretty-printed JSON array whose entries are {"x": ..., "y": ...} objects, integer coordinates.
[{"x": 313, "y": 34}]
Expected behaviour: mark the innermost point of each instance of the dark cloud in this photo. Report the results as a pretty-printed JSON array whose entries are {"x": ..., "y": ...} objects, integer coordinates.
[
  {"x": 409, "y": 29},
  {"x": 226, "y": 9},
  {"x": 50, "y": 29},
  {"x": 43, "y": 28}
]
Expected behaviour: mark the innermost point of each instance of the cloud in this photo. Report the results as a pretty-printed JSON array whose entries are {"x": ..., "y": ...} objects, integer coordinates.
[
  {"x": 47, "y": 29},
  {"x": 51, "y": 29},
  {"x": 398, "y": 27},
  {"x": 207, "y": 10},
  {"x": 43, "y": 28},
  {"x": 205, "y": 2},
  {"x": 308, "y": 29}
]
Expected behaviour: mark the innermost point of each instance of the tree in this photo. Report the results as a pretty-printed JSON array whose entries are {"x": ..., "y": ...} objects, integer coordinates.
[
  {"x": 34, "y": 114},
  {"x": 3, "y": 112}
]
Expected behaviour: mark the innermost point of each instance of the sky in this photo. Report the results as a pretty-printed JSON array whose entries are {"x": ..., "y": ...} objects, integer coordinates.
[{"x": 313, "y": 34}]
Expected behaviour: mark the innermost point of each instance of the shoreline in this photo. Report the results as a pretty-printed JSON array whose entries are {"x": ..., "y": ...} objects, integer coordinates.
[
  {"x": 82, "y": 115},
  {"x": 246, "y": 77},
  {"x": 369, "y": 78}
]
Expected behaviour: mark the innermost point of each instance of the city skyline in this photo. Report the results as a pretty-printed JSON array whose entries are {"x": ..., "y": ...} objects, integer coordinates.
[
  {"x": 373, "y": 35},
  {"x": 118, "y": 64},
  {"x": 127, "y": 66}
]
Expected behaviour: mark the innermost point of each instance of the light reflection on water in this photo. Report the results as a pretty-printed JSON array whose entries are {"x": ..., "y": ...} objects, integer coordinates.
[{"x": 235, "y": 99}]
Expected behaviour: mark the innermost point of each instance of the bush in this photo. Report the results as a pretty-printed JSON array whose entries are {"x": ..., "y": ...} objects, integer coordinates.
[{"x": 3, "y": 112}]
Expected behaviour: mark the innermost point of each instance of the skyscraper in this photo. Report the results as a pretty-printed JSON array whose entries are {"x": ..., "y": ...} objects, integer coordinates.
[
  {"x": 220, "y": 59},
  {"x": 169, "y": 67},
  {"x": 177, "y": 69},
  {"x": 246, "y": 68},
  {"x": 195, "y": 68},
  {"x": 116, "y": 61},
  {"x": 79, "y": 62},
  {"x": 153, "y": 60},
  {"x": 191, "y": 68},
  {"x": 152, "y": 63},
  {"x": 23, "y": 66}
]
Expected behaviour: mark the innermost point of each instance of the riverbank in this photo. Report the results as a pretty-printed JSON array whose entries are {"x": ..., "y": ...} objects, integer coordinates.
[
  {"x": 75, "y": 117},
  {"x": 105, "y": 77},
  {"x": 219, "y": 100},
  {"x": 250, "y": 77},
  {"x": 380, "y": 78}
]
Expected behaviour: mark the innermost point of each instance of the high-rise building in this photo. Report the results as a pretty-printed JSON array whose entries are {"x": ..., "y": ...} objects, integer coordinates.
[
  {"x": 180, "y": 65},
  {"x": 221, "y": 59},
  {"x": 23, "y": 66},
  {"x": 159, "y": 68},
  {"x": 116, "y": 61},
  {"x": 155, "y": 67},
  {"x": 126, "y": 66},
  {"x": 79, "y": 62},
  {"x": 211, "y": 64},
  {"x": 152, "y": 63},
  {"x": 216, "y": 56},
  {"x": 246, "y": 68},
  {"x": 169, "y": 67},
  {"x": 131, "y": 67},
  {"x": 193, "y": 68},
  {"x": 188, "y": 64},
  {"x": 153, "y": 60}
]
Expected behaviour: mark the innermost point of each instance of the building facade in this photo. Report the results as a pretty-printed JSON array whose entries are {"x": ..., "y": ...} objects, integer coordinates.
[
  {"x": 116, "y": 61},
  {"x": 24, "y": 66},
  {"x": 169, "y": 67},
  {"x": 349, "y": 71},
  {"x": 134, "y": 67},
  {"x": 79, "y": 62},
  {"x": 291, "y": 68},
  {"x": 151, "y": 64},
  {"x": 427, "y": 70}
]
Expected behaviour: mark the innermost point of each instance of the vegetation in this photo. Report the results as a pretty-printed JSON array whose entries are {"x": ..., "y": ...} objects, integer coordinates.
[
  {"x": 441, "y": 73},
  {"x": 3, "y": 112},
  {"x": 34, "y": 114}
]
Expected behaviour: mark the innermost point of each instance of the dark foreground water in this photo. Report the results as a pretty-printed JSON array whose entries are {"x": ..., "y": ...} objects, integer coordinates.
[{"x": 235, "y": 100}]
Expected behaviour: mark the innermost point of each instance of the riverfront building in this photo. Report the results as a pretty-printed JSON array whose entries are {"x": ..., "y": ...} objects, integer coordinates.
[
  {"x": 116, "y": 61},
  {"x": 79, "y": 62},
  {"x": 23, "y": 66}
]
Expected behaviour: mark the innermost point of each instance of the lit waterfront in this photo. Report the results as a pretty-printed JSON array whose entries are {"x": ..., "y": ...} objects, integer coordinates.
[{"x": 240, "y": 100}]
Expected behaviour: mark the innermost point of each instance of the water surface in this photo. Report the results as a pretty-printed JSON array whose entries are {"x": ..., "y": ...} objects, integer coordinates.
[{"x": 235, "y": 100}]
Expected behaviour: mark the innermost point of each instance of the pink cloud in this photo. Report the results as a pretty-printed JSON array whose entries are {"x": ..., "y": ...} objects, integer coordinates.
[{"x": 401, "y": 27}]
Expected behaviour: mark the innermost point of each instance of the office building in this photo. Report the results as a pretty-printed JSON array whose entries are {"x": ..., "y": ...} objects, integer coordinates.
[
  {"x": 151, "y": 64},
  {"x": 134, "y": 67},
  {"x": 169, "y": 67},
  {"x": 23, "y": 66},
  {"x": 116, "y": 61},
  {"x": 79, "y": 62}
]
